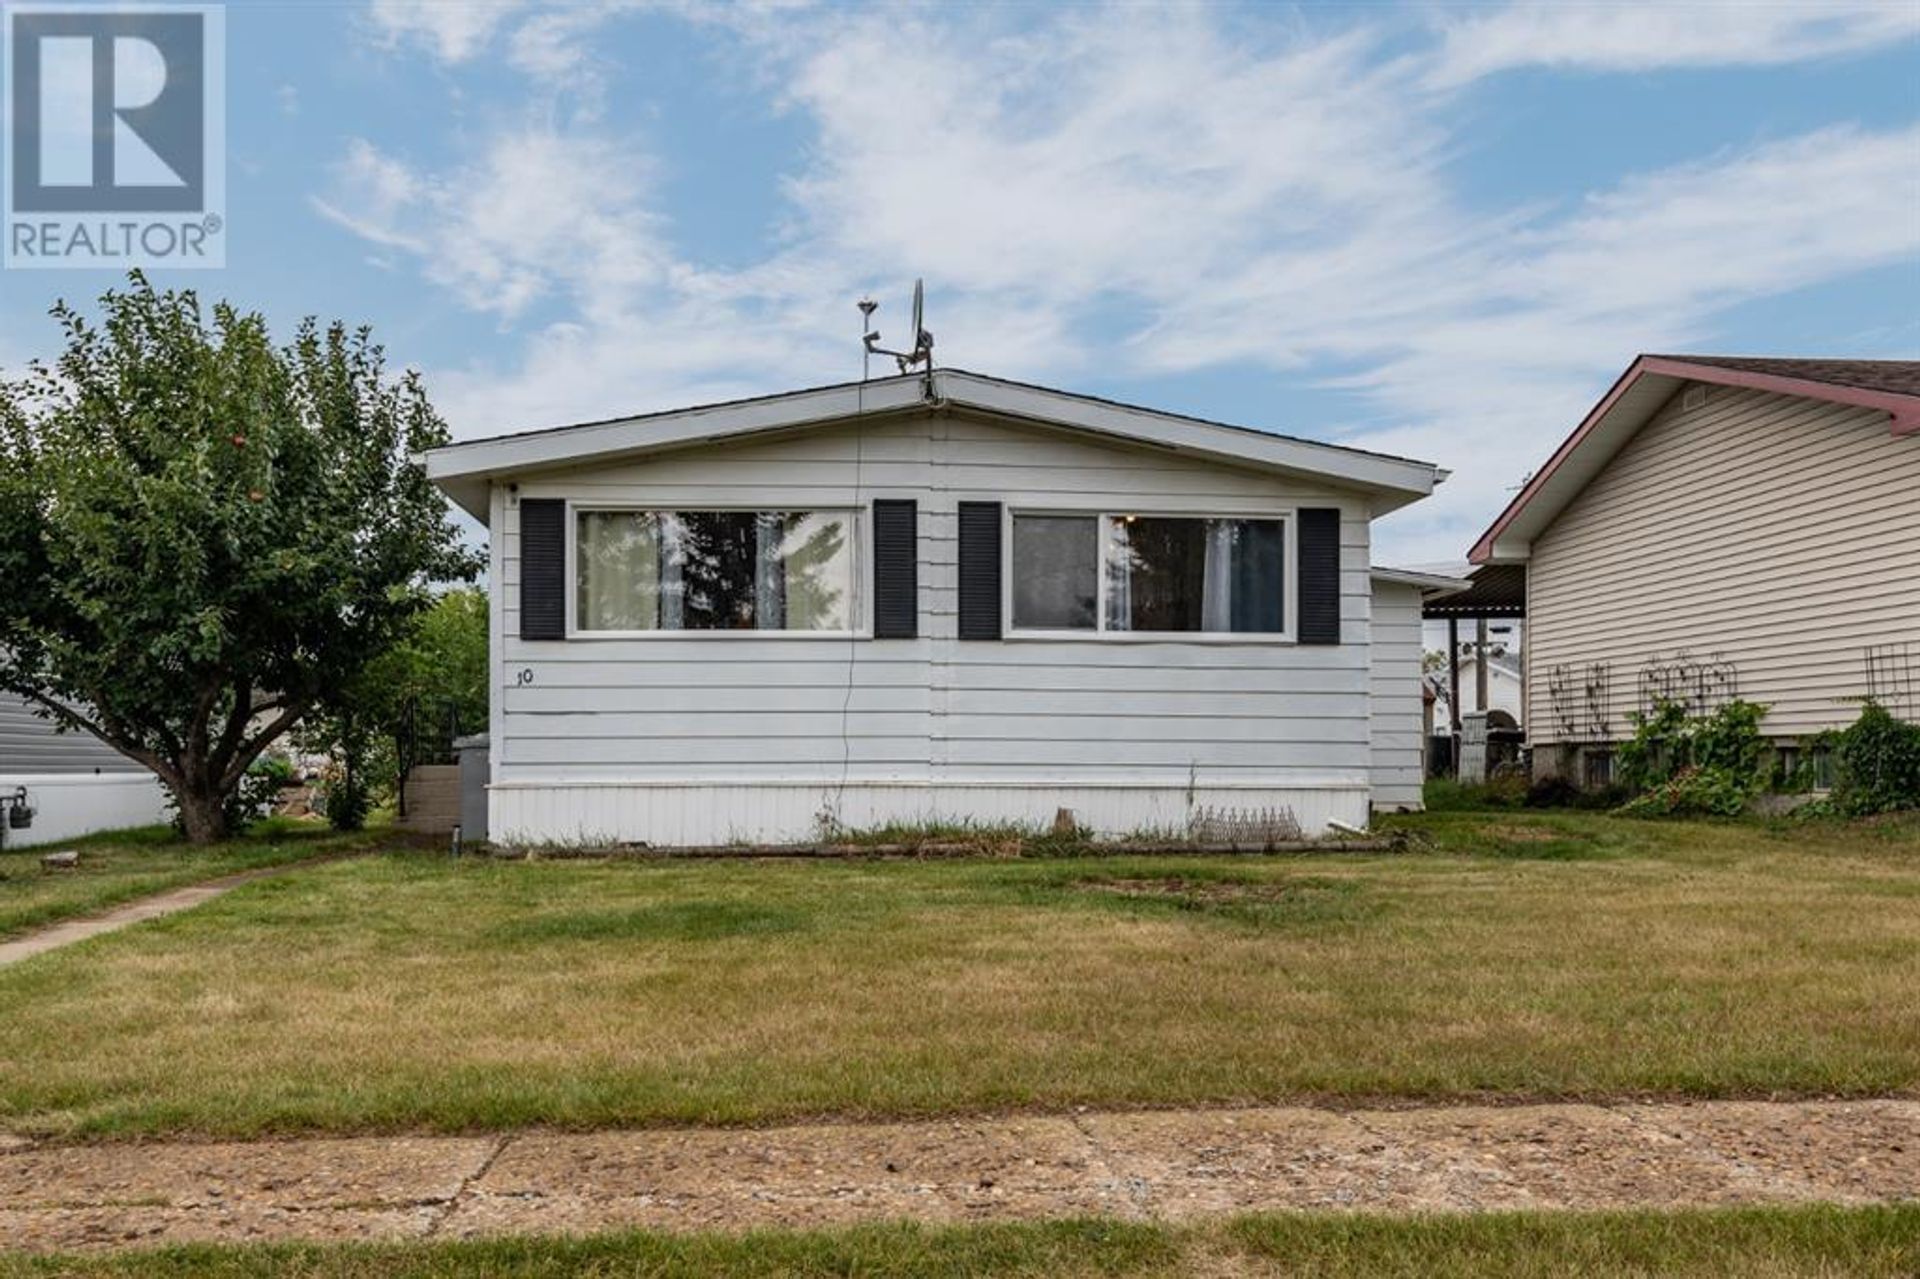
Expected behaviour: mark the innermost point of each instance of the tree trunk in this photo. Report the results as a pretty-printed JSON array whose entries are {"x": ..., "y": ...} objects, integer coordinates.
[{"x": 202, "y": 812}]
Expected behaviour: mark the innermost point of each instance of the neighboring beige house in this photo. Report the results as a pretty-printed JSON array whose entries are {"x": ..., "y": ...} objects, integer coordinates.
[{"x": 1718, "y": 528}]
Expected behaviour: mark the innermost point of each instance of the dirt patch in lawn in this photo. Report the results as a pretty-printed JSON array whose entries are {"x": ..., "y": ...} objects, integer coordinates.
[
  {"x": 1203, "y": 892},
  {"x": 1257, "y": 901},
  {"x": 1524, "y": 834},
  {"x": 1522, "y": 841},
  {"x": 658, "y": 922}
]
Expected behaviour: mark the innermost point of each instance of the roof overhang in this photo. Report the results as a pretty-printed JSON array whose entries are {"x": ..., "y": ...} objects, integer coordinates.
[
  {"x": 1431, "y": 585},
  {"x": 467, "y": 471},
  {"x": 1641, "y": 391},
  {"x": 1493, "y": 590}
]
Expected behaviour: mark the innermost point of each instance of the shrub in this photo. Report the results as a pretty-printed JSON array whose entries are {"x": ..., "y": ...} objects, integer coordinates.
[
  {"x": 1648, "y": 758},
  {"x": 1553, "y": 792},
  {"x": 348, "y": 802},
  {"x": 1877, "y": 764},
  {"x": 1559, "y": 792},
  {"x": 1729, "y": 741},
  {"x": 1694, "y": 792},
  {"x": 1504, "y": 790},
  {"x": 1677, "y": 764},
  {"x": 278, "y": 768}
]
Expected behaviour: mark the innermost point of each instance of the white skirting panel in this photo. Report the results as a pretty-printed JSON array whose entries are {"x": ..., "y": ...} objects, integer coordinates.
[
  {"x": 712, "y": 814},
  {"x": 68, "y": 805}
]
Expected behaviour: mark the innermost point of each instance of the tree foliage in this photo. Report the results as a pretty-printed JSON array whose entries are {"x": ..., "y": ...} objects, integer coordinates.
[
  {"x": 437, "y": 673},
  {"x": 1879, "y": 764},
  {"x": 205, "y": 538}
]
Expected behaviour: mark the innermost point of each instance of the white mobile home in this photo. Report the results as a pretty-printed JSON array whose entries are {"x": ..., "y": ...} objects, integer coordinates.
[
  {"x": 74, "y": 783},
  {"x": 934, "y": 597}
]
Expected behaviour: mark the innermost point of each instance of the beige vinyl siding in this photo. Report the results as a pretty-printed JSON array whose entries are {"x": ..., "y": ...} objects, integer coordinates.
[
  {"x": 816, "y": 709},
  {"x": 1395, "y": 707},
  {"x": 1778, "y": 533}
]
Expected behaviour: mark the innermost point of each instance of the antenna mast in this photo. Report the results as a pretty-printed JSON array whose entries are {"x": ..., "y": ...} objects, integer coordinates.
[{"x": 867, "y": 336}]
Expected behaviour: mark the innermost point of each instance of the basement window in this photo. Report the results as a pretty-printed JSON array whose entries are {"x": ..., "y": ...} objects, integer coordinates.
[
  {"x": 648, "y": 571},
  {"x": 1143, "y": 576},
  {"x": 1820, "y": 770}
]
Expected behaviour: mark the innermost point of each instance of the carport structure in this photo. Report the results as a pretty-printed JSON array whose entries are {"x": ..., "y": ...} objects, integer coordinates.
[{"x": 1497, "y": 591}]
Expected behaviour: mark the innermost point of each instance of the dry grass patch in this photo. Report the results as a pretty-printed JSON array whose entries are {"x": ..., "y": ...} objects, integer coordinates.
[
  {"x": 410, "y": 992},
  {"x": 121, "y": 866}
]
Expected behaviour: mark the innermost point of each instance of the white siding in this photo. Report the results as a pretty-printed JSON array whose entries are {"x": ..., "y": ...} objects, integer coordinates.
[
  {"x": 1396, "y": 717},
  {"x": 930, "y": 724},
  {"x": 75, "y": 783},
  {"x": 1777, "y": 532},
  {"x": 68, "y": 805},
  {"x": 692, "y": 814}
]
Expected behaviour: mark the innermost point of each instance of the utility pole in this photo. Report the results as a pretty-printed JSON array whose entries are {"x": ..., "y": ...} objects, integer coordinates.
[{"x": 1480, "y": 667}]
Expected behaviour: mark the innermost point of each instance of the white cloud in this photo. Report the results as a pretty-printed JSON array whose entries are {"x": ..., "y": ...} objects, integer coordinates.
[
  {"x": 1645, "y": 267},
  {"x": 1098, "y": 159},
  {"x": 1643, "y": 37},
  {"x": 537, "y": 214},
  {"x": 453, "y": 30},
  {"x": 1159, "y": 195}
]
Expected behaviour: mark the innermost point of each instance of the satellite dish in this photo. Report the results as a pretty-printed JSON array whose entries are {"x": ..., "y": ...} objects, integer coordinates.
[{"x": 922, "y": 350}]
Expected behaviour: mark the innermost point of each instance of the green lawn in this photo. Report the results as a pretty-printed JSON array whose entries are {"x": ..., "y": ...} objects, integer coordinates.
[
  {"x": 1773, "y": 1243},
  {"x": 1515, "y": 955},
  {"x": 121, "y": 865}
]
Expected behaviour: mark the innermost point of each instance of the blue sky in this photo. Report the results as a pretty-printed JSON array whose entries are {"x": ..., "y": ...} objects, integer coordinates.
[{"x": 1438, "y": 231}]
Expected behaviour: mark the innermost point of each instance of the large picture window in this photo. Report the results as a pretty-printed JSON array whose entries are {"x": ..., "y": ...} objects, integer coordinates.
[
  {"x": 1149, "y": 574},
  {"x": 714, "y": 570}
]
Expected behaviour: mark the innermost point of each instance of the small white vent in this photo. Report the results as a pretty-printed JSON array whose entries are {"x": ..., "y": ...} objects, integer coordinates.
[{"x": 1694, "y": 396}]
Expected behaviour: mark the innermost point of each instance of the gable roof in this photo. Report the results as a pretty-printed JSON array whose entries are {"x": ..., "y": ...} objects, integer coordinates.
[
  {"x": 1891, "y": 386},
  {"x": 1898, "y": 377},
  {"x": 466, "y": 470}
]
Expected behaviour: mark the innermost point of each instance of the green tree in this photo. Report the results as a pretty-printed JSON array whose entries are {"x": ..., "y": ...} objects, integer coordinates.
[
  {"x": 205, "y": 538},
  {"x": 438, "y": 668}
]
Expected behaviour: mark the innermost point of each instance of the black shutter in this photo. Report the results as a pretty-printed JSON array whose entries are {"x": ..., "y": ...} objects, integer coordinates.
[
  {"x": 896, "y": 568},
  {"x": 1319, "y": 581},
  {"x": 543, "y": 568},
  {"x": 979, "y": 570}
]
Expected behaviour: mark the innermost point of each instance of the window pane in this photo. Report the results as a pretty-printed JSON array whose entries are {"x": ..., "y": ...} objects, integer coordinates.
[
  {"x": 1055, "y": 572},
  {"x": 816, "y": 579},
  {"x": 617, "y": 569},
  {"x": 1196, "y": 575},
  {"x": 715, "y": 570}
]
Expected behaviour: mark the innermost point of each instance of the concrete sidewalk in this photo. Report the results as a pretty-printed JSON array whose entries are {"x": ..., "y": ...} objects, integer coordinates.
[
  {"x": 1170, "y": 1165},
  {"x": 170, "y": 902}
]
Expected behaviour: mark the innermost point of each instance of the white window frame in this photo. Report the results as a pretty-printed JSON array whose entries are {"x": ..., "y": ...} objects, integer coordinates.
[
  {"x": 858, "y": 609},
  {"x": 1289, "y": 585}
]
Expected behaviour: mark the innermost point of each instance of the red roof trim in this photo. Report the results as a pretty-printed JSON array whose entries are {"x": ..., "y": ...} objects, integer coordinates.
[{"x": 1903, "y": 409}]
